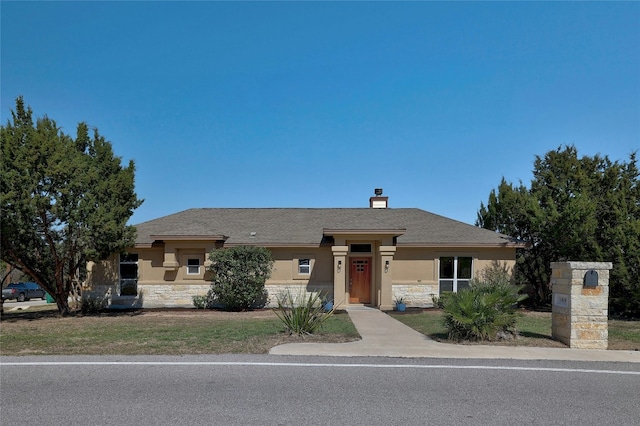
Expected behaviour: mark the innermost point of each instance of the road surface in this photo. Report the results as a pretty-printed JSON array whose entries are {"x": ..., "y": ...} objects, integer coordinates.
[{"x": 278, "y": 390}]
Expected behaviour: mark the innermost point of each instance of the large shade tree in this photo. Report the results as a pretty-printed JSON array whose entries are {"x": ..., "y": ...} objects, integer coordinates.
[
  {"x": 64, "y": 201},
  {"x": 576, "y": 208}
]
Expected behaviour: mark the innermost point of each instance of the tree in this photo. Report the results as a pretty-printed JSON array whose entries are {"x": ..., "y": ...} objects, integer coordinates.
[
  {"x": 239, "y": 276},
  {"x": 575, "y": 209},
  {"x": 64, "y": 201}
]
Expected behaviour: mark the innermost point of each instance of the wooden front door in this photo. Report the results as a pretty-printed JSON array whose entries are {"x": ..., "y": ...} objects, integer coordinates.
[{"x": 360, "y": 280}]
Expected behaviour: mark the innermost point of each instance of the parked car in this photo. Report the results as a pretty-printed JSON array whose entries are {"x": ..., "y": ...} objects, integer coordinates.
[{"x": 23, "y": 291}]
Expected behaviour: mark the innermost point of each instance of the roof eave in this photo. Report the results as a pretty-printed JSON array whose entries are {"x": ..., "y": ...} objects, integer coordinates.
[
  {"x": 392, "y": 232},
  {"x": 464, "y": 245},
  {"x": 275, "y": 245},
  {"x": 188, "y": 237}
]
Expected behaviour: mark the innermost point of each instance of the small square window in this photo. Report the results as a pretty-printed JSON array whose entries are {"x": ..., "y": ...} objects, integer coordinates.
[
  {"x": 193, "y": 266},
  {"x": 304, "y": 266}
]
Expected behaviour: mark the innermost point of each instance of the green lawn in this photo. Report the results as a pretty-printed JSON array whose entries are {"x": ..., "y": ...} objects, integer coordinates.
[
  {"x": 534, "y": 329},
  {"x": 39, "y": 331},
  {"x": 155, "y": 332}
]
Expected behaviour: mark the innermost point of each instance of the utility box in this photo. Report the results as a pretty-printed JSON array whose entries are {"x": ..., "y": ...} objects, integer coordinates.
[{"x": 580, "y": 303}]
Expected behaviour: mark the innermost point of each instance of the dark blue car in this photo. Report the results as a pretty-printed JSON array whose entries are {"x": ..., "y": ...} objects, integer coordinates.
[{"x": 23, "y": 291}]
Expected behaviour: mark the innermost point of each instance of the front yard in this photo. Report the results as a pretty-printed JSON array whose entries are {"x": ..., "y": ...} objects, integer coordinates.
[
  {"x": 40, "y": 331},
  {"x": 534, "y": 328},
  {"x": 167, "y": 332}
]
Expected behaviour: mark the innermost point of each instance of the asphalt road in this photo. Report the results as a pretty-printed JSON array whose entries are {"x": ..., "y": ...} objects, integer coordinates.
[
  {"x": 11, "y": 304},
  {"x": 277, "y": 390}
]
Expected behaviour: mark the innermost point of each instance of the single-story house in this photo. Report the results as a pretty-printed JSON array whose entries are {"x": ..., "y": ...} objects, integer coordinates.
[{"x": 367, "y": 256}]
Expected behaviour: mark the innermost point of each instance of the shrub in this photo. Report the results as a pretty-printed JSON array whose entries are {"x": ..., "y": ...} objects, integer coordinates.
[
  {"x": 495, "y": 274},
  {"x": 486, "y": 311},
  {"x": 438, "y": 301},
  {"x": 93, "y": 304},
  {"x": 303, "y": 314},
  {"x": 239, "y": 276},
  {"x": 200, "y": 302}
]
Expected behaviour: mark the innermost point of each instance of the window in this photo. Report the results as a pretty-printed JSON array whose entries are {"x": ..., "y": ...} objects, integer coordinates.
[
  {"x": 360, "y": 248},
  {"x": 304, "y": 266},
  {"x": 455, "y": 273},
  {"x": 193, "y": 266},
  {"x": 128, "y": 274}
]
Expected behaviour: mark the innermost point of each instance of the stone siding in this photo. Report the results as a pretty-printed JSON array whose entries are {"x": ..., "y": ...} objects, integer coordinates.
[
  {"x": 417, "y": 295},
  {"x": 171, "y": 295},
  {"x": 149, "y": 295},
  {"x": 181, "y": 295},
  {"x": 298, "y": 291}
]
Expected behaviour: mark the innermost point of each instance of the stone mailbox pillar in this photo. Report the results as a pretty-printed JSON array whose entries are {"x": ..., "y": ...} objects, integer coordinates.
[{"x": 580, "y": 303}]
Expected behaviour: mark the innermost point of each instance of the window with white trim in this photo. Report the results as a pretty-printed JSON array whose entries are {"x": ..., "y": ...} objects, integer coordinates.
[
  {"x": 304, "y": 266},
  {"x": 193, "y": 266},
  {"x": 128, "y": 274},
  {"x": 455, "y": 273}
]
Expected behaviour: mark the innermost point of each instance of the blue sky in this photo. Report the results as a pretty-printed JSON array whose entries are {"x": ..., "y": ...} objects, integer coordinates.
[{"x": 315, "y": 104}]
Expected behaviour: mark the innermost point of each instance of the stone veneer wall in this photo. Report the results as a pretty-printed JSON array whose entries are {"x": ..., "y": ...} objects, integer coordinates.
[
  {"x": 416, "y": 295},
  {"x": 297, "y": 291},
  {"x": 171, "y": 295},
  {"x": 150, "y": 295},
  {"x": 579, "y": 313},
  {"x": 181, "y": 295}
]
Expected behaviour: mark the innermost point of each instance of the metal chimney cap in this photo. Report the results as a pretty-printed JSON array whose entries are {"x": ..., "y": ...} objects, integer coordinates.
[{"x": 378, "y": 192}]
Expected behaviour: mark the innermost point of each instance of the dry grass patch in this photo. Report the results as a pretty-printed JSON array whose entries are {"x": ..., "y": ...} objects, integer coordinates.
[{"x": 166, "y": 332}]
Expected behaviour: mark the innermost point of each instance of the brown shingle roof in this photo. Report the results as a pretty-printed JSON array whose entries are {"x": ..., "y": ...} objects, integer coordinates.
[{"x": 306, "y": 226}]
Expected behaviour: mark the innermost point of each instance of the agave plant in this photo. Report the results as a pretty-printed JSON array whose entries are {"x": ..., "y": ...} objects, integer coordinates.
[{"x": 302, "y": 314}]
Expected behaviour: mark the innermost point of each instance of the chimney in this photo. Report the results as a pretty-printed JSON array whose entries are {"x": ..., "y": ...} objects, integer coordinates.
[{"x": 378, "y": 202}]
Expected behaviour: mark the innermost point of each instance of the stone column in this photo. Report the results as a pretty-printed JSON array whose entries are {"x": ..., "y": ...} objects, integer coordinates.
[
  {"x": 385, "y": 298},
  {"x": 580, "y": 306},
  {"x": 340, "y": 276}
]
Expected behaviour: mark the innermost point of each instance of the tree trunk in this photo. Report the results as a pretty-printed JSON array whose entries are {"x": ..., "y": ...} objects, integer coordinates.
[{"x": 63, "y": 304}]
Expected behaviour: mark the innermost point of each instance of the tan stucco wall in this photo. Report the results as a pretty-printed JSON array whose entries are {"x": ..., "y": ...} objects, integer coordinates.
[
  {"x": 416, "y": 270},
  {"x": 285, "y": 267},
  {"x": 412, "y": 273}
]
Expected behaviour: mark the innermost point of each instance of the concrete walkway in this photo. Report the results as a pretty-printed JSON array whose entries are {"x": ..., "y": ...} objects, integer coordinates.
[{"x": 384, "y": 336}]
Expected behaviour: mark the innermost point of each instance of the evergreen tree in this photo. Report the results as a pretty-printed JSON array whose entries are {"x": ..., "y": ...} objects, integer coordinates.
[
  {"x": 64, "y": 201},
  {"x": 584, "y": 209}
]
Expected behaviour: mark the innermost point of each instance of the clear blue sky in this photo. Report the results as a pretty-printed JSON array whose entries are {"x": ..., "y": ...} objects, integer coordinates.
[{"x": 298, "y": 104}]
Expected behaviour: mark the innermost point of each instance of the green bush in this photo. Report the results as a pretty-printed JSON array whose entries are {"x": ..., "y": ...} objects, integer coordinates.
[
  {"x": 486, "y": 311},
  {"x": 438, "y": 301},
  {"x": 200, "y": 302},
  {"x": 302, "y": 314},
  {"x": 239, "y": 276},
  {"x": 93, "y": 304}
]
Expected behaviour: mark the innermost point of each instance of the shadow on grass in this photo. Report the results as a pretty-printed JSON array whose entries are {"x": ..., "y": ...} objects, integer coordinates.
[
  {"x": 439, "y": 337},
  {"x": 532, "y": 335},
  {"x": 15, "y": 316}
]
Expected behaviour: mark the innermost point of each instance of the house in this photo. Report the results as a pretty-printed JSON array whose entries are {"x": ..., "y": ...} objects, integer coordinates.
[{"x": 364, "y": 256}]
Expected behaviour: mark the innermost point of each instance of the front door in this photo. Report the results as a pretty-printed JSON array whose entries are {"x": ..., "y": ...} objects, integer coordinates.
[{"x": 360, "y": 280}]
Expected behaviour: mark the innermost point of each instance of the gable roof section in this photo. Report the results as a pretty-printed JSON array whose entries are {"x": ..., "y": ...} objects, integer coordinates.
[{"x": 308, "y": 226}]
